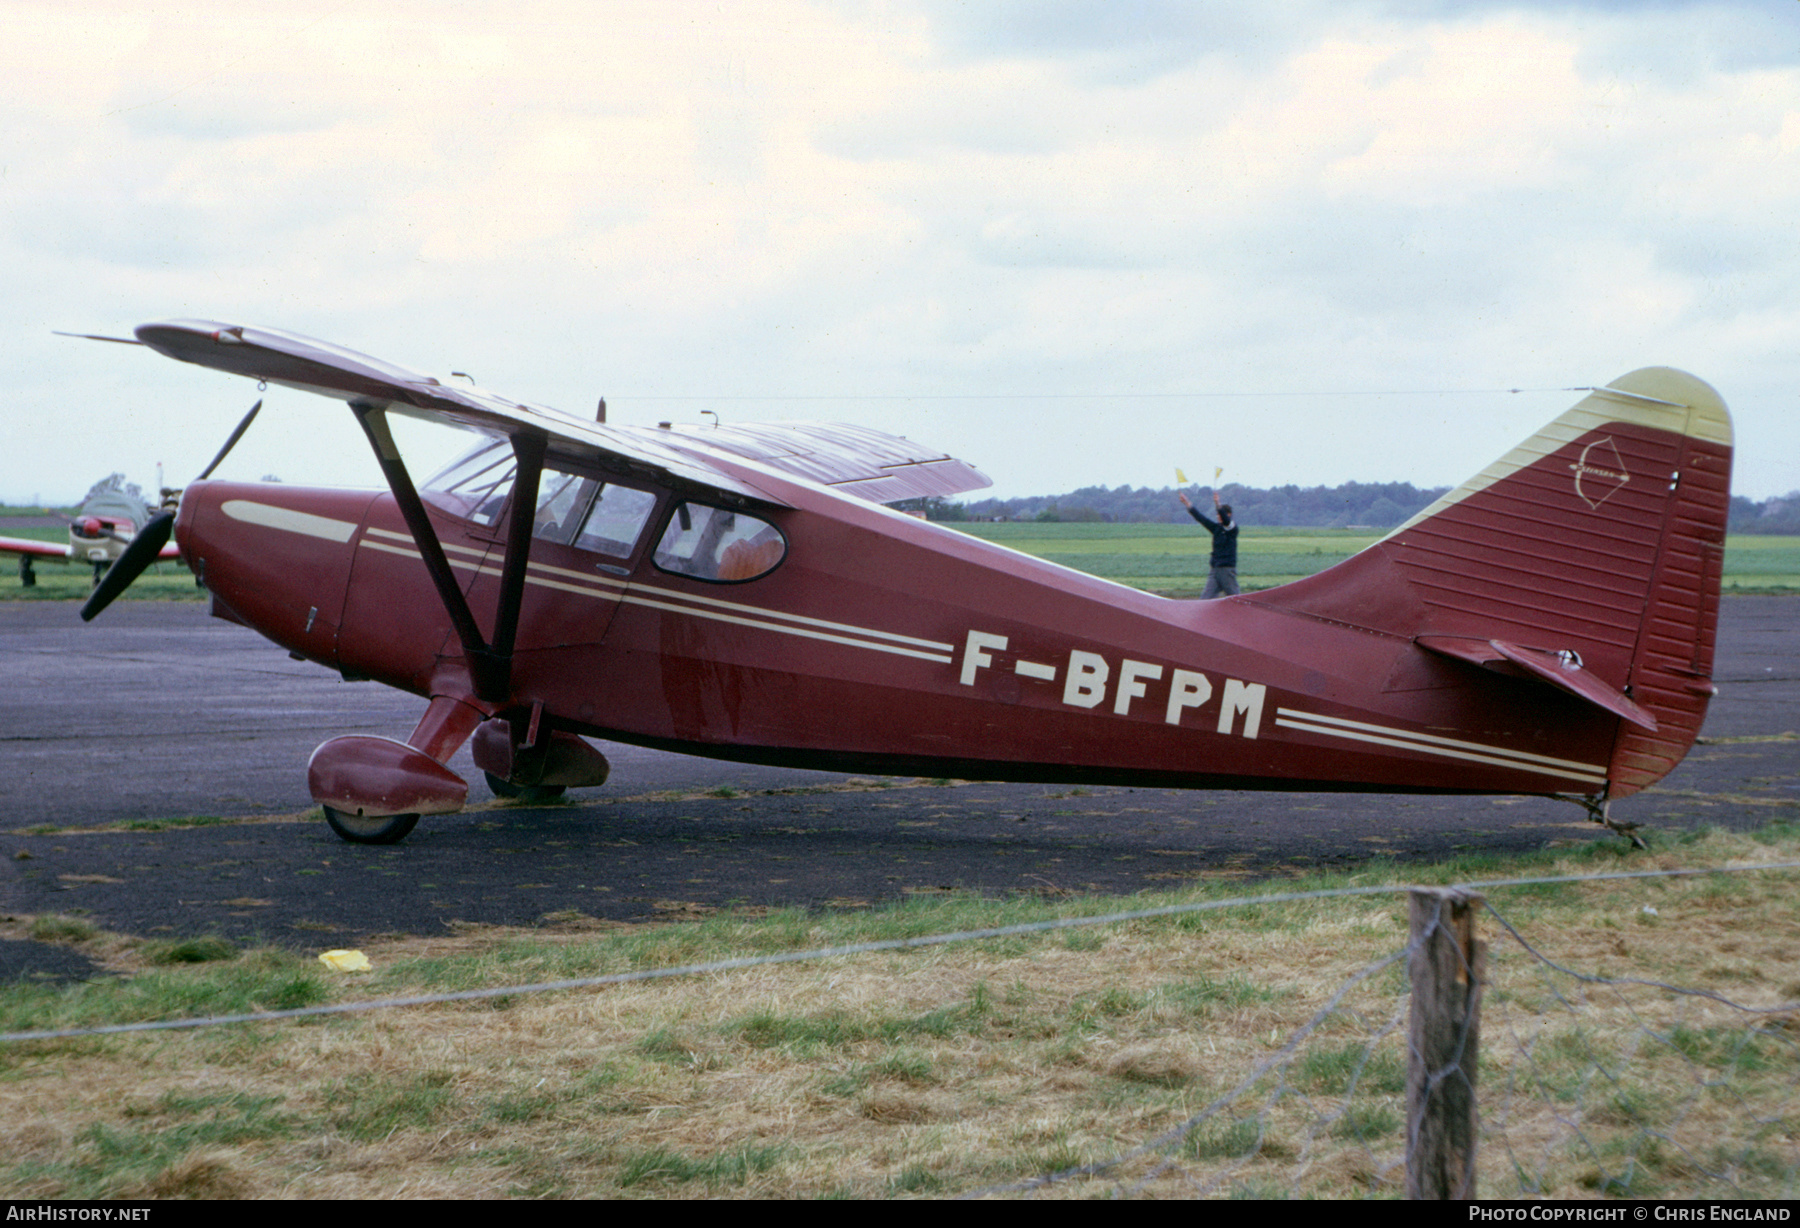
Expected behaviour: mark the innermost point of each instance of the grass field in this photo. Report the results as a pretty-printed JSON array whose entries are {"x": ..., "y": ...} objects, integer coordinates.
[
  {"x": 1171, "y": 559},
  {"x": 1160, "y": 558},
  {"x": 73, "y": 581},
  {"x": 1762, "y": 564},
  {"x": 942, "y": 1070}
]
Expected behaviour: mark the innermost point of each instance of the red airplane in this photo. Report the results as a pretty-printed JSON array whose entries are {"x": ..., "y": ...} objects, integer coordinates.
[{"x": 740, "y": 592}]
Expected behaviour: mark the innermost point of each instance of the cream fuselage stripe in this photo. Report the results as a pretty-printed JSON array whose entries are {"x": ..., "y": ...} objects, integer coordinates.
[
  {"x": 1439, "y": 740},
  {"x": 288, "y": 520},
  {"x": 1432, "y": 744},
  {"x": 758, "y": 611},
  {"x": 807, "y": 633},
  {"x": 734, "y": 606},
  {"x": 654, "y": 597}
]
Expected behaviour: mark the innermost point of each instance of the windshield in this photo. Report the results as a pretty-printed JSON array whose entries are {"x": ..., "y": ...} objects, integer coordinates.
[{"x": 474, "y": 486}]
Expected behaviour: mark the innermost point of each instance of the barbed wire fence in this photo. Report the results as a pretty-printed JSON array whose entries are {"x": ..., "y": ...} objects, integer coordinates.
[
  {"x": 1537, "y": 1079},
  {"x": 1576, "y": 1084},
  {"x": 1638, "y": 1087}
]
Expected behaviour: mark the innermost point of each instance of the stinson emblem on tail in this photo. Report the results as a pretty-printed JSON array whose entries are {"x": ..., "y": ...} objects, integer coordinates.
[{"x": 1601, "y": 484}]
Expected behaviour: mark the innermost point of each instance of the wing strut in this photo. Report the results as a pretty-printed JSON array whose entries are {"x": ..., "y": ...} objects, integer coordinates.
[
  {"x": 528, "y": 451},
  {"x": 490, "y": 664}
]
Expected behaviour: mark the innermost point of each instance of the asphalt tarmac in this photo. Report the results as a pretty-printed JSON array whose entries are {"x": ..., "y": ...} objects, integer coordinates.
[{"x": 157, "y": 712}]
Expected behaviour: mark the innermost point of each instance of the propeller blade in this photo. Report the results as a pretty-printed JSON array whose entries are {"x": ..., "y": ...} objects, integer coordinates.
[
  {"x": 229, "y": 445},
  {"x": 141, "y": 551},
  {"x": 138, "y": 555}
]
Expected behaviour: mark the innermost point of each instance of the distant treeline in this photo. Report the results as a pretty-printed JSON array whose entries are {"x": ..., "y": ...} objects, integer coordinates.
[
  {"x": 1375, "y": 505},
  {"x": 1778, "y": 515}
]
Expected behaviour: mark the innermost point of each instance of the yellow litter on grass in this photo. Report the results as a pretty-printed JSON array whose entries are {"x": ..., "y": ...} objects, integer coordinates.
[{"x": 345, "y": 961}]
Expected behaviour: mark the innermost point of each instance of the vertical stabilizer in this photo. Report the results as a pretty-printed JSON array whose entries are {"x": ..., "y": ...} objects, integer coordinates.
[{"x": 1597, "y": 543}]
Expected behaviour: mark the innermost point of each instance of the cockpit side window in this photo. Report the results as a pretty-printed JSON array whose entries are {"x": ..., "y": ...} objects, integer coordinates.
[
  {"x": 617, "y": 520},
  {"x": 710, "y": 543},
  {"x": 562, "y": 501},
  {"x": 572, "y": 509}
]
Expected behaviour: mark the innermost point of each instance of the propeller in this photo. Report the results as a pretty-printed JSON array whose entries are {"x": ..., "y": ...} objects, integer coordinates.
[
  {"x": 138, "y": 554},
  {"x": 231, "y": 442},
  {"x": 142, "y": 550}
]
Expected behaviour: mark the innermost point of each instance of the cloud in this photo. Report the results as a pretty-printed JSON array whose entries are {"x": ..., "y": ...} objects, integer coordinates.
[{"x": 918, "y": 199}]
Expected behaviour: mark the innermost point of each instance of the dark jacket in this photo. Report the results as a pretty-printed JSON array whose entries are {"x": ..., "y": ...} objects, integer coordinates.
[{"x": 1224, "y": 551}]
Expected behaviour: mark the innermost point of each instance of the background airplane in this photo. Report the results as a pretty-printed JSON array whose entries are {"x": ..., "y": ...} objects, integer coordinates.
[
  {"x": 1546, "y": 628},
  {"x": 111, "y": 515}
]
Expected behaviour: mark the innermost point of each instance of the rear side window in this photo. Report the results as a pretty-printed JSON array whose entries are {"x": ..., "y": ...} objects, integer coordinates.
[{"x": 710, "y": 543}]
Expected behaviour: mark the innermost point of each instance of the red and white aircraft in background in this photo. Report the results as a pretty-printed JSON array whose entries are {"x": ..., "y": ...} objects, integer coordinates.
[
  {"x": 110, "y": 516},
  {"x": 740, "y": 592}
]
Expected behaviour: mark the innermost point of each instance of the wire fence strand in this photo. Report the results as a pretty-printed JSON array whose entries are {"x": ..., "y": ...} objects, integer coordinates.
[{"x": 1589, "y": 1080}]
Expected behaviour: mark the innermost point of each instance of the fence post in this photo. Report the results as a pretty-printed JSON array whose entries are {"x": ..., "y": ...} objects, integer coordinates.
[{"x": 1446, "y": 970}]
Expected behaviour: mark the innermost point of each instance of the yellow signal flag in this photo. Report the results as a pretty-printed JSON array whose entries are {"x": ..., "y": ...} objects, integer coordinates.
[
  {"x": 1218, "y": 473},
  {"x": 1180, "y": 477}
]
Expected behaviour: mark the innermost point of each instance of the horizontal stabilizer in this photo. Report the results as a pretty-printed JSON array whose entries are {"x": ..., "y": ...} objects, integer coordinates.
[{"x": 1561, "y": 670}]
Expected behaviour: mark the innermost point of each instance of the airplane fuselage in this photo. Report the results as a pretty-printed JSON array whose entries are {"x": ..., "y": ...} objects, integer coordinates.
[{"x": 881, "y": 643}]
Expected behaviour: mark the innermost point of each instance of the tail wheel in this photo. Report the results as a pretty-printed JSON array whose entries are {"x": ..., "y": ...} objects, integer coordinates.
[
  {"x": 370, "y": 829},
  {"x": 531, "y": 795}
]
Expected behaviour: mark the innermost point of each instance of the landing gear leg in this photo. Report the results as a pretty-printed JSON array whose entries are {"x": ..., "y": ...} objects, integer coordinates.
[
  {"x": 446, "y": 725},
  {"x": 1599, "y": 811},
  {"x": 27, "y": 573}
]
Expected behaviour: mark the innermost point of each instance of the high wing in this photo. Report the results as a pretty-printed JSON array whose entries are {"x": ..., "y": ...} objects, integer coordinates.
[
  {"x": 738, "y": 465},
  {"x": 868, "y": 464},
  {"x": 37, "y": 549}
]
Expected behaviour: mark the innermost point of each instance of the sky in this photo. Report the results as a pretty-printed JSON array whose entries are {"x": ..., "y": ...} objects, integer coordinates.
[{"x": 1071, "y": 243}]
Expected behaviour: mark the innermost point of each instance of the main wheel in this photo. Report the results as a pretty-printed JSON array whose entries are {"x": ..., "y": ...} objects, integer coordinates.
[
  {"x": 370, "y": 829},
  {"x": 531, "y": 795}
]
